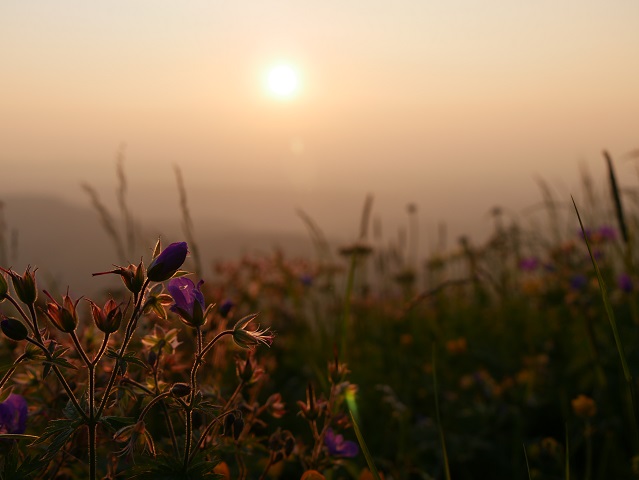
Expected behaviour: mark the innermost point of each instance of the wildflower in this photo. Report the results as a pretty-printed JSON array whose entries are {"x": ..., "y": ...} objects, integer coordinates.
[
  {"x": 13, "y": 415},
  {"x": 132, "y": 276},
  {"x": 65, "y": 316},
  {"x": 167, "y": 263},
  {"x": 281, "y": 444},
  {"x": 251, "y": 338},
  {"x": 578, "y": 281},
  {"x": 179, "y": 390},
  {"x": 14, "y": 329},
  {"x": 606, "y": 232},
  {"x": 225, "y": 308},
  {"x": 624, "y": 282},
  {"x": 247, "y": 369},
  {"x": 25, "y": 285},
  {"x": 275, "y": 406},
  {"x": 529, "y": 264},
  {"x": 107, "y": 319},
  {"x": 189, "y": 301},
  {"x": 584, "y": 406},
  {"x": 312, "y": 408},
  {"x": 339, "y": 447}
]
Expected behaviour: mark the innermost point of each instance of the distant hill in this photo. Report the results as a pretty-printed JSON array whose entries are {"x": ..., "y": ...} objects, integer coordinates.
[{"x": 67, "y": 242}]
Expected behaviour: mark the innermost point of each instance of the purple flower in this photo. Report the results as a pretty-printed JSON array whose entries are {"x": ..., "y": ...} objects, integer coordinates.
[
  {"x": 306, "y": 279},
  {"x": 225, "y": 308},
  {"x": 578, "y": 281},
  {"x": 529, "y": 264},
  {"x": 339, "y": 447},
  {"x": 189, "y": 301},
  {"x": 13, "y": 414},
  {"x": 606, "y": 232},
  {"x": 168, "y": 262},
  {"x": 624, "y": 282}
]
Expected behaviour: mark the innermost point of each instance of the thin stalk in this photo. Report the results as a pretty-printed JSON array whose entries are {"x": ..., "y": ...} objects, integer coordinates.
[
  {"x": 130, "y": 328},
  {"x": 527, "y": 464},
  {"x": 588, "y": 433},
  {"x": 438, "y": 416},
  {"x": 11, "y": 370},
  {"x": 189, "y": 411},
  {"x": 21, "y": 312},
  {"x": 615, "y": 331},
  {"x": 207, "y": 430},
  {"x": 346, "y": 312},
  {"x": 105, "y": 343},
  {"x": 567, "y": 461},
  {"x": 38, "y": 341}
]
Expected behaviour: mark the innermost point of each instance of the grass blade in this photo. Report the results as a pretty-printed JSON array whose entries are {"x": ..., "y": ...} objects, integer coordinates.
[
  {"x": 616, "y": 197},
  {"x": 362, "y": 444},
  {"x": 527, "y": 464},
  {"x": 439, "y": 420},
  {"x": 613, "y": 325}
]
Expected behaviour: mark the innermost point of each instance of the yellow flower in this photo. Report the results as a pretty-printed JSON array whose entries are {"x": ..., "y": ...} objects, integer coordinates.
[{"x": 584, "y": 406}]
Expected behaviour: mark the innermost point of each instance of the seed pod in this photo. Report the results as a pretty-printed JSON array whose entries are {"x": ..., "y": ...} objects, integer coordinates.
[{"x": 14, "y": 329}]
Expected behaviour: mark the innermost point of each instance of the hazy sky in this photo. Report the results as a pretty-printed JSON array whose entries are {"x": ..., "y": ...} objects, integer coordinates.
[{"x": 454, "y": 104}]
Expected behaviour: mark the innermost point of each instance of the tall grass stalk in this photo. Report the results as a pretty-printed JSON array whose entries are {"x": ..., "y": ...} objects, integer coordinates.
[
  {"x": 187, "y": 223},
  {"x": 438, "y": 416},
  {"x": 365, "y": 451},
  {"x": 615, "y": 331},
  {"x": 567, "y": 460},
  {"x": 527, "y": 464}
]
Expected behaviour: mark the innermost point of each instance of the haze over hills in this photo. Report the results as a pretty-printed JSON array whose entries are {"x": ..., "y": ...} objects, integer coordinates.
[{"x": 67, "y": 242}]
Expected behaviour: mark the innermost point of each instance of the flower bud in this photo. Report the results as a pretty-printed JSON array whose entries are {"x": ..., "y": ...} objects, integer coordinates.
[
  {"x": 107, "y": 319},
  {"x": 25, "y": 285},
  {"x": 180, "y": 390},
  {"x": 132, "y": 276},
  {"x": 65, "y": 316},
  {"x": 167, "y": 263},
  {"x": 14, "y": 329}
]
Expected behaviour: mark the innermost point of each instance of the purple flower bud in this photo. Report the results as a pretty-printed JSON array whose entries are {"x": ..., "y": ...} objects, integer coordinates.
[
  {"x": 225, "y": 308},
  {"x": 624, "y": 282},
  {"x": 606, "y": 232},
  {"x": 339, "y": 447},
  {"x": 578, "y": 281},
  {"x": 528, "y": 264},
  {"x": 13, "y": 415},
  {"x": 168, "y": 262},
  {"x": 189, "y": 301}
]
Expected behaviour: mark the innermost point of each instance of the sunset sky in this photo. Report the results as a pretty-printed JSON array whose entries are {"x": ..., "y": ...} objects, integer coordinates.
[{"x": 456, "y": 105}]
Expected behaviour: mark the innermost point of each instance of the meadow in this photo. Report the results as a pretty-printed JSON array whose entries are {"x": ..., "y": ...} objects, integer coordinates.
[{"x": 513, "y": 358}]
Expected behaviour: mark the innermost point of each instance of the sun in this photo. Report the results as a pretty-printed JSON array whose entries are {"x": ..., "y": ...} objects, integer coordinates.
[{"x": 282, "y": 81}]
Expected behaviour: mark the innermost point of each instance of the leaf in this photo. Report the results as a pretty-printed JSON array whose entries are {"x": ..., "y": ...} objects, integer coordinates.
[
  {"x": 157, "y": 249},
  {"x": 60, "y": 362},
  {"x": 59, "y": 431},
  {"x": 116, "y": 423},
  {"x": 4, "y": 394}
]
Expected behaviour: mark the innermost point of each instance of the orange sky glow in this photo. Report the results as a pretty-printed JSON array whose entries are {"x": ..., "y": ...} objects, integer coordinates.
[{"x": 455, "y": 105}]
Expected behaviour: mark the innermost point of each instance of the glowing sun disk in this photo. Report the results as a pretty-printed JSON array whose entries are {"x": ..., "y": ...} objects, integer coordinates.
[{"x": 282, "y": 81}]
